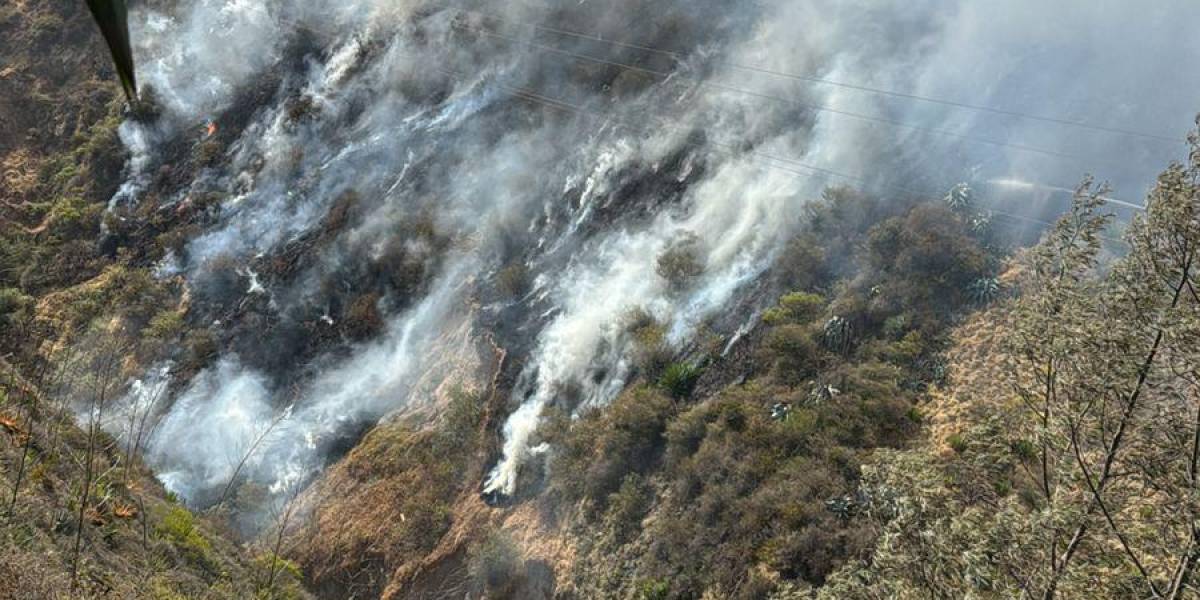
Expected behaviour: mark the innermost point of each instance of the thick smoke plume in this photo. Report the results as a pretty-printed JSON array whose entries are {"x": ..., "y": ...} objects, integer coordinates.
[{"x": 454, "y": 144}]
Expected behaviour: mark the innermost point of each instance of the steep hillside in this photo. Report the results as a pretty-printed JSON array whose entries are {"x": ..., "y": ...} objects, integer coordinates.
[
  {"x": 1064, "y": 458},
  {"x": 83, "y": 517},
  {"x": 632, "y": 300},
  {"x": 130, "y": 538},
  {"x": 729, "y": 472}
]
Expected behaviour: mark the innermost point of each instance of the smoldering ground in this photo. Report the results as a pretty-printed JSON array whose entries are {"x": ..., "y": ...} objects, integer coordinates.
[{"x": 384, "y": 172}]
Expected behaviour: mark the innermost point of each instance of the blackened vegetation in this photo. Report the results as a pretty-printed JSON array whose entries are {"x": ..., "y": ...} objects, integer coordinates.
[
  {"x": 82, "y": 516},
  {"x": 307, "y": 305},
  {"x": 514, "y": 311}
]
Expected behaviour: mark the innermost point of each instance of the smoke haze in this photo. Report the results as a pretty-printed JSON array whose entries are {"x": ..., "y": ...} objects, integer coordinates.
[{"x": 466, "y": 141}]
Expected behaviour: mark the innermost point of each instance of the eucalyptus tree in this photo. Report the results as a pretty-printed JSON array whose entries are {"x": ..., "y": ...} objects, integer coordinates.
[{"x": 1083, "y": 477}]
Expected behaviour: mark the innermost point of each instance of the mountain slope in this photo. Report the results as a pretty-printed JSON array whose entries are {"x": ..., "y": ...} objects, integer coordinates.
[{"x": 409, "y": 300}]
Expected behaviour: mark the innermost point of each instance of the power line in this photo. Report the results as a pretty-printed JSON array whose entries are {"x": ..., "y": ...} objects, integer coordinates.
[
  {"x": 1016, "y": 183},
  {"x": 720, "y": 86},
  {"x": 806, "y": 105},
  {"x": 787, "y": 100},
  {"x": 858, "y": 87},
  {"x": 532, "y": 96},
  {"x": 733, "y": 150}
]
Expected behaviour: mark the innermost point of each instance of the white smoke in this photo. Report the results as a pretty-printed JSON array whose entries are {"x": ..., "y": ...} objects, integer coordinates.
[
  {"x": 620, "y": 275},
  {"x": 421, "y": 118},
  {"x": 196, "y": 60},
  {"x": 225, "y": 425},
  {"x": 210, "y": 428}
]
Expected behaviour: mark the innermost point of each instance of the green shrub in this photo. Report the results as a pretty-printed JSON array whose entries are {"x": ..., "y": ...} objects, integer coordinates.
[
  {"x": 801, "y": 265},
  {"x": 651, "y": 354},
  {"x": 796, "y": 307},
  {"x": 905, "y": 352},
  {"x": 627, "y": 506},
  {"x": 925, "y": 260},
  {"x": 74, "y": 217},
  {"x": 1024, "y": 449},
  {"x": 459, "y": 431},
  {"x": 495, "y": 565},
  {"x": 279, "y": 564},
  {"x": 791, "y": 352},
  {"x": 362, "y": 318},
  {"x": 63, "y": 177},
  {"x": 179, "y": 528},
  {"x": 654, "y": 589},
  {"x": 678, "y": 379},
  {"x": 595, "y": 453},
  {"x": 164, "y": 326},
  {"x": 1002, "y": 487},
  {"x": 286, "y": 581},
  {"x": 915, "y": 415},
  {"x": 161, "y": 589},
  {"x": 12, "y": 300},
  {"x": 208, "y": 152},
  {"x": 201, "y": 345},
  {"x": 895, "y": 326}
]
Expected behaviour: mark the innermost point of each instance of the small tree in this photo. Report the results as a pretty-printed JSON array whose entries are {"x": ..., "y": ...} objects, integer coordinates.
[
  {"x": 680, "y": 263},
  {"x": 495, "y": 565},
  {"x": 103, "y": 379}
]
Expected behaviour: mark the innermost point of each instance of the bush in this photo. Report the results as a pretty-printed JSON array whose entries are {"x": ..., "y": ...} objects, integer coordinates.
[
  {"x": 362, "y": 317},
  {"x": 178, "y": 527},
  {"x": 513, "y": 280},
  {"x": 680, "y": 263},
  {"x": 165, "y": 326},
  {"x": 459, "y": 430},
  {"x": 796, "y": 307},
  {"x": 73, "y": 217},
  {"x": 926, "y": 259},
  {"x": 801, "y": 265},
  {"x": 595, "y": 454},
  {"x": 791, "y": 352},
  {"x": 287, "y": 581},
  {"x": 11, "y": 301},
  {"x": 627, "y": 506},
  {"x": 651, "y": 354},
  {"x": 654, "y": 589},
  {"x": 201, "y": 345},
  {"x": 495, "y": 565},
  {"x": 278, "y": 564}
]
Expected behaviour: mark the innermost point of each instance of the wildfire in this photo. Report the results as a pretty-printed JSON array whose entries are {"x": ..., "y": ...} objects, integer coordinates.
[{"x": 210, "y": 129}]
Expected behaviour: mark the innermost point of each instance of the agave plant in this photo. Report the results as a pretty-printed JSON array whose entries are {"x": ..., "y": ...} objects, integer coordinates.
[
  {"x": 984, "y": 290},
  {"x": 959, "y": 197},
  {"x": 113, "y": 18},
  {"x": 679, "y": 379},
  {"x": 843, "y": 507},
  {"x": 821, "y": 393},
  {"x": 780, "y": 411},
  {"x": 980, "y": 223},
  {"x": 837, "y": 334}
]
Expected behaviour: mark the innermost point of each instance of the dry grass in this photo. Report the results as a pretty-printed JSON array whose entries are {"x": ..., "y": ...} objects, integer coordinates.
[{"x": 978, "y": 380}]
